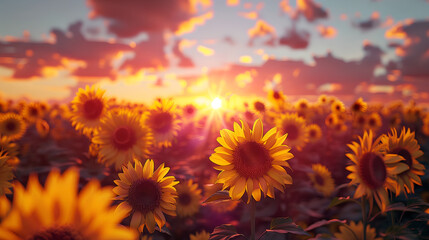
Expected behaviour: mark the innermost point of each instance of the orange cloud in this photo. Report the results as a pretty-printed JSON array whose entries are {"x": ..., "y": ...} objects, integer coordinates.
[
  {"x": 343, "y": 17},
  {"x": 261, "y": 29},
  {"x": 327, "y": 31},
  {"x": 311, "y": 10},
  {"x": 284, "y": 5},
  {"x": 249, "y": 15},
  {"x": 189, "y": 25},
  {"x": 205, "y": 50},
  {"x": 245, "y": 78},
  {"x": 232, "y": 2}
]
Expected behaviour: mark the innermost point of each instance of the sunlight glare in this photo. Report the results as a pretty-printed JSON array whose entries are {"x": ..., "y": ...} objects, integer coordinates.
[{"x": 216, "y": 103}]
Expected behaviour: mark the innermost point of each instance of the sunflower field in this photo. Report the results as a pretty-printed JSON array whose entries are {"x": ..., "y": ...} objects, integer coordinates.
[{"x": 266, "y": 168}]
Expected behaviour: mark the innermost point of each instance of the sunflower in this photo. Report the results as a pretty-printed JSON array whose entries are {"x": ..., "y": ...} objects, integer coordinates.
[
  {"x": 331, "y": 120},
  {"x": 406, "y": 146},
  {"x": 314, "y": 133},
  {"x": 295, "y": 128},
  {"x": 302, "y": 105},
  {"x": 203, "y": 235},
  {"x": 359, "y": 106},
  {"x": 189, "y": 197},
  {"x": 372, "y": 171},
  {"x": 121, "y": 138},
  {"x": 359, "y": 120},
  {"x": 250, "y": 161},
  {"x": 10, "y": 149},
  {"x": 88, "y": 108},
  {"x": 32, "y": 112},
  {"x": 338, "y": 107},
  {"x": 354, "y": 231},
  {"x": 12, "y": 126},
  {"x": 277, "y": 99},
  {"x": 42, "y": 128},
  {"x": 6, "y": 174},
  {"x": 57, "y": 211},
  {"x": 374, "y": 121},
  {"x": 163, "y": 121},
  {"x": 146, "y": 194},
  {"x": 322, "y": 179},
  {"x": 189, "y": 111}
]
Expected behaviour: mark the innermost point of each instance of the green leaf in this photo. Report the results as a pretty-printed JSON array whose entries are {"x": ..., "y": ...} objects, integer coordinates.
[
  {"x": 340, "y": 200},
  {"x": 218, "y": 196},
  {"x": 399, "y": 206},
  {"x": 226, "y": 232}
]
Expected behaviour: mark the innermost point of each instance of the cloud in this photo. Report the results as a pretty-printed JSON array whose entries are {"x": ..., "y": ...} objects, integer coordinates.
[
  {"x": 29, "y": 59},
  {"x": 184, "y": 61},
  {"x": 328, "y": 73},
  {"x": 327, "y": 31},
  {"x": 127, "y": 18},
  {"x": 310, "y": 10},
  {"x": 147, "y": 54},
  {"x": 414, "y": 52},
  {"x": 369, "y": 24},
  {"x": 295, "y": 39},
  {"x": 260, "y": 30}
]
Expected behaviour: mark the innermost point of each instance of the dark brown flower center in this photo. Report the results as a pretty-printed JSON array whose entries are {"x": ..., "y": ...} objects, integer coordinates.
[
  {"x": 190, "y": 110},
  {"x": 319, "y": 179},
  {"x": 259, "y": 106},
  {"x": 161, "y": 122},
  {"x": 34, "y": 112},
  {"x": 276, "y": 95},
  {"x": 92, "y": 108},
  {"x": 361, "y": 120},
  {"x": 144, "y": 195},
  {"x": 372, "y": 170},
  {"x": 11, "y": 126},
  {"x": 56, "y": 233},
  {"x": 292, "y": 131},
  {"x": 405, "y": 154},
  {"x": 356, "y": 107},
  {"x": 372, "y": 122},
  {"x": 184, "y": 198},
  {"x": 312, "y": 133},
  {"x": 251, "y": 159},
  {"x": 124, "y": 138}
]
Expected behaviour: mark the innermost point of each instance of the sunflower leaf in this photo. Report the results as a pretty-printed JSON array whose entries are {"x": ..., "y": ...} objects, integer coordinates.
[
  {"x": 285, "y": 225},
  {"x": 323, "y": 223},
  {"x": 218, "y": 196},
  {"x": 340, "y": 200},
  {"x": 226, "y": 232}
]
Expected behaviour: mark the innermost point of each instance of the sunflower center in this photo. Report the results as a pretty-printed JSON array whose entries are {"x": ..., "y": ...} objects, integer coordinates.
[
  {"x": 259, "y": 106},
  {"x": 162, "y": 122},
  {"x": 190, "y": 110},
  {"x": 11, "y": 126},
  {"x": 373, "y": 170},
  {"x": 361, "y": 120},
  {"x": 251, "y": 159},
  {"x": 124, "y": 138},
  {"x": 356, "y": 107},
  {"x": 92, "y": 108},
  {"x": 276, "y": 95},
  {"x": 292, "y": 131},
  {"x": 312, "y": 133},
  {"x": 405, "y": 154},
  {"x": 144, "y": 195},
  {"x": 371, "y": 122},
  {"x": 184, "y": 199},
  {"x": 319, "y": 179},
  {"x": 33, "y": 111},
  {"x": 65, "y": 233}
]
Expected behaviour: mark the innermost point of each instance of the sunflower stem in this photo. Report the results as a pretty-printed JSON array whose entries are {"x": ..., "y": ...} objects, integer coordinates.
[
  {"x": 252, "y": 218},
  {"x": 364, "y": 217}
]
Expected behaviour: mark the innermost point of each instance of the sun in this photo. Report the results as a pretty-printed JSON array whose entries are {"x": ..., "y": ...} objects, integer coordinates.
[{"x": 216, "y": 103}]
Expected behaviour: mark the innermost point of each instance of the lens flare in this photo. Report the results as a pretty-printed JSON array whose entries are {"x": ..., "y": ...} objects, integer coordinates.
[{"x": 216, "y": 103}]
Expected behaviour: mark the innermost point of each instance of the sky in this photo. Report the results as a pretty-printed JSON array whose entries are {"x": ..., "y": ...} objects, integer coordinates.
[{"x": 140, "y": 50}]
